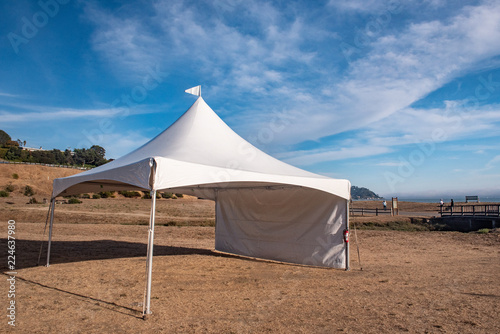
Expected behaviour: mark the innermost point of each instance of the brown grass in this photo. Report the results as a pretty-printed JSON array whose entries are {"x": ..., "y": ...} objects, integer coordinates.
[
  {"x": 411, "y": 282},
  {"x": 40, "y": 178}
]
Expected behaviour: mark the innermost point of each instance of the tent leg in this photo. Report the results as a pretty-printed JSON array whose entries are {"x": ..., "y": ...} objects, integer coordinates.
[
  {"x": 149, "y": 261},
  {"x": 52, "y": 207},
  {"x": 347, "y": 243}
]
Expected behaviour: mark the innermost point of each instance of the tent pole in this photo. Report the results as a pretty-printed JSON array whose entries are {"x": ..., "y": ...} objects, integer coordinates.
[
  {"x": 52, "y": 207},
  {"x": 347, "y": 243},
  {"x": 149, "y": 261}
]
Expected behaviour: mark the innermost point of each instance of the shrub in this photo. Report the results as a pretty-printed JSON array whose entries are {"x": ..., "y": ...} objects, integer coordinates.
[
  {"x": 9, "y": 188},
  {"x": 107, "y": 194},
  {"x": 147, "y": 195},
  {"x": 484, "y": 231},
  {"x": 28, "y": 191},
  {"x": 179, "y": 195},
  {"x": 32, "y": 201},
  {"x": 96, "y": 196},
  {"x": 74, "y": 201},
  {"x": 130, "y": 194},
  {"x": 167, "y": 195},
  {"x": 15, "y": 176},
  {"x": 4, "y": 193},
  {"x": 85, "y": 196}
]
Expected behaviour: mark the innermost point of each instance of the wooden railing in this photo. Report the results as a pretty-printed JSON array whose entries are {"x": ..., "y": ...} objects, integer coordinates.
[
  {"x": 364, "y": 211},
  {"x": 477, "y": 210}
]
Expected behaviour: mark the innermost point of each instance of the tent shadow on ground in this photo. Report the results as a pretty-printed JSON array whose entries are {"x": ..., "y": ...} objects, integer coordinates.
[
  {"x": 27, "y": 251},
  {"x": 112, "y": 306}
]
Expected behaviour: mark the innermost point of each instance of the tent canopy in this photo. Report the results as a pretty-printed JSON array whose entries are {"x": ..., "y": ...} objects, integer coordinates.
[
  {"x": 265, "y": 208},
  {"x": 198, "y": 151}
]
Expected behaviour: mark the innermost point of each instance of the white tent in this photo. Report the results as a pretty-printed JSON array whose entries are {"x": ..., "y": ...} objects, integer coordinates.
[{"x": 264, "y": 208}]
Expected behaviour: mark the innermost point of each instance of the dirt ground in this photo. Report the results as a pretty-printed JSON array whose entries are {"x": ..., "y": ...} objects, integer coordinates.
[{"x": 417, "y": 282}]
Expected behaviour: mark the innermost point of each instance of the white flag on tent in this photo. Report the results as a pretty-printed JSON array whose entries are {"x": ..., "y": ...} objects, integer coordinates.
[{"x": 195, "y": 90}]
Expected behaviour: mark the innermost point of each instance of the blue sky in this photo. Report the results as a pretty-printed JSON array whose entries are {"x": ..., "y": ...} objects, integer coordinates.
[{"x": 402, "y": 97}]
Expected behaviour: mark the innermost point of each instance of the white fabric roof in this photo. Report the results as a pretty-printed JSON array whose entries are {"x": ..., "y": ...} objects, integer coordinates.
[{"x": 197, "y": 152}]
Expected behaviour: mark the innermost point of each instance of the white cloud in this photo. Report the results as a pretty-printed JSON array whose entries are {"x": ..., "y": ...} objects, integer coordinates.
[
  {"x": 399, "y": 70},
  {"x": 8, "y": 95},
  {"x": 410, "y": 126},
  {"x": 390, "y": 164},
  {"x": 424, "y": 127},
  {"x": 495, "y": 162},
  {"x": 185, "y": 37},
  {"x": 36, "y": 113},
  {"x": 357, "y": 5},
  {"x": 305, "y": 158},
  {"x": 59, "y": 114},
  {"x": 124, "y": 42}
]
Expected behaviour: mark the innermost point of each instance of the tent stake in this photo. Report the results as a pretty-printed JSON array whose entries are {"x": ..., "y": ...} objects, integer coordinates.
[
  {"x": 52, "y": 207},
  {"x": 149, "y": 261}
]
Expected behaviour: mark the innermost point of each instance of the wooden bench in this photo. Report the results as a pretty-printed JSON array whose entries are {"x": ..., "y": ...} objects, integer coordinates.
[{"x": 471, "y": 198}]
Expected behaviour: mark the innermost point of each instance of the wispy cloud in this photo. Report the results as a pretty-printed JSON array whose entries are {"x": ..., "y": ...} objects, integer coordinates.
[
  {"x": 399, "y": 68},
  {"x": 404, "y": 67},
  {"x": 50, "y": 114},
  {"x": 495, "y": 162},
  {"x": 390, "y": 164},
  {"x": 310, "y": 157},
  {"x": 125, "y": 41},
  {"x": 55, "y": 114},
  {"x": 8, "y": 95},
  {"x": 409, "y": 127},
  {"x": 251, "y": 60},
  {"x": 357, "y": 5}
]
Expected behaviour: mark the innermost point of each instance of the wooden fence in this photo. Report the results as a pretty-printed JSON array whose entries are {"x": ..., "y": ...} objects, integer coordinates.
[{"x": 363, "y": 211}]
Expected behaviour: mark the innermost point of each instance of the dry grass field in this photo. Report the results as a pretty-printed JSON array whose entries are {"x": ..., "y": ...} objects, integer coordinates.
[{"x": 417, "y": 282}]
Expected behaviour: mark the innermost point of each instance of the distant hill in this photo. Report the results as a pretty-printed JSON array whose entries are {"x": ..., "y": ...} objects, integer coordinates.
[{"x": 363, "y": 193}]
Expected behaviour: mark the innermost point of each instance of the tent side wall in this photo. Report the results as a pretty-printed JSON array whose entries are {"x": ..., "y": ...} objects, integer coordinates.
[{"x": 296, "y": 225}]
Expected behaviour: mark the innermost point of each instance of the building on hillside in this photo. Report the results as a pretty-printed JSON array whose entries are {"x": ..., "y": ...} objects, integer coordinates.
[{"x": 32, "y": 149}]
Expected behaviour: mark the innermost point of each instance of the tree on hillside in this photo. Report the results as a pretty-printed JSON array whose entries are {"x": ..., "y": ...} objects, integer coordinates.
[
  {"x": 99, "y": 154},
  {"x": 14, "y": 153},
  {"x": 68, "y": 157},
  {"x": 79, "y": 156},
  {"x": 11, "y": 143},
  {"x": 4, "y": 137},
  {"x": 92, "y": 156}
]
